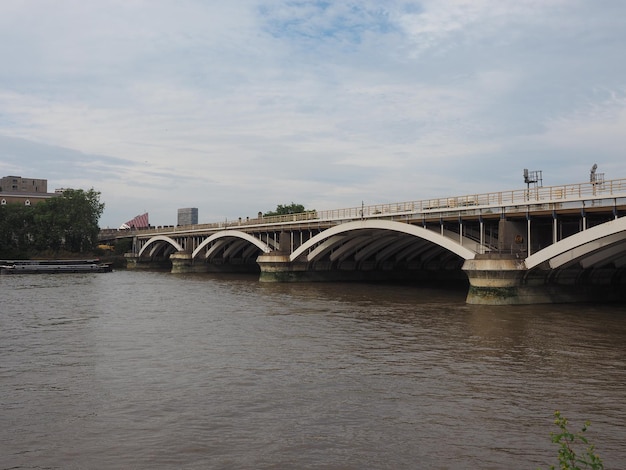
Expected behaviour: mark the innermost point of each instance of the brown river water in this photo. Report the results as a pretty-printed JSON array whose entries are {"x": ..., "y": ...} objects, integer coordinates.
[{"x": 145, "y": 370}]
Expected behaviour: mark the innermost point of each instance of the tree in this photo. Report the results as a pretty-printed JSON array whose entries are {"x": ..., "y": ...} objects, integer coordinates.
[
  {"x": 69, "y": 222},
  {"x": 286, "y": 209},
  {"x": 81, "y": 211},
  {"x": 15, "y": 229}
]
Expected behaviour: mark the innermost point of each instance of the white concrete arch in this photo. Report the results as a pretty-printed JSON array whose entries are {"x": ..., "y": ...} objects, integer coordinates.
[
  {"x": 160, "y": 238},
  {"x": 580, "y": 245},
  {"x": 231, "y": 234},
  {"x": 334, "y": 234}
]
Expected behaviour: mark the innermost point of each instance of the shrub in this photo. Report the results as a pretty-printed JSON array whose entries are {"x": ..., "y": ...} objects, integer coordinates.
[{"x": 568, "y": 441}]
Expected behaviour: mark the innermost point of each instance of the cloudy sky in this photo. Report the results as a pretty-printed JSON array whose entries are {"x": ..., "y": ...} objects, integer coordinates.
[{"x": 237, "y": 106}]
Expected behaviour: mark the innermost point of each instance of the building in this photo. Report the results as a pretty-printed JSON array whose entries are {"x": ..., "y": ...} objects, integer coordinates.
[
  {"x": 17, "y": 184},
  {"x": 27, "y": 191},
  {"x": 188, "y": 216}
]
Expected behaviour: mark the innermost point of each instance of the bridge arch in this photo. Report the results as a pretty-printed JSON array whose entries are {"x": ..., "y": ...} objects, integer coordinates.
[
  {"x": 379, "y": 241},
  {"x": 229, "y": 241},
  {"x": 592, "y": 247},
  {"x": 158, "y": 242}
]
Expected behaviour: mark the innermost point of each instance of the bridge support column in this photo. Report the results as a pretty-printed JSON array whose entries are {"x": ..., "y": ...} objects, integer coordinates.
[
  {"x": 276, "y": 267},
  {"x": 131, "y": 260},
  {"x": 500, "y": 280},
  {"x": 134, "y": 262},
  {"x": 182, "y": 263},
  {"x": 496, "y": 280}
]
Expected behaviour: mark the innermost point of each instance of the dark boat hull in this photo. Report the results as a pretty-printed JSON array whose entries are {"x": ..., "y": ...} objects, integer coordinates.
[{"x": 53, "y": 267}]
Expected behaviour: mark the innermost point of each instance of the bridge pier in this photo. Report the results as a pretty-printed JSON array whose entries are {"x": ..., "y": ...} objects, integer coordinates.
[
  {"x": 504, "y": 280},
  {"x": 495, "y": 280},
  {"x": 182, "y": 263},
  {"x": 134, "y": 262},
  {"x": 276, "y": 267}
]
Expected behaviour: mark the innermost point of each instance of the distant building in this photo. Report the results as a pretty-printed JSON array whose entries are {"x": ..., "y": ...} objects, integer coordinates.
[
  {"x": 27, "y": 191},
  {"x": 17, "y": 184},
  {"x": 188, "y": 216}
]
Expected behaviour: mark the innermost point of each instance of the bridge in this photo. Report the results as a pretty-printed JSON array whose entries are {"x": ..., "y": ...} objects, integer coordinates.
[{"x": 537, "y": 245}]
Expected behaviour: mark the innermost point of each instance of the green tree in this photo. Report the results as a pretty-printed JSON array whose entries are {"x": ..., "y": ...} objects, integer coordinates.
[
  {"x": 16, "y": 223},
  {"x": 286, "y": 209},
  {"x": 69, "y": 222},
  {"x": 81, "y": 211},
  {"x": 49, "y": 225}
]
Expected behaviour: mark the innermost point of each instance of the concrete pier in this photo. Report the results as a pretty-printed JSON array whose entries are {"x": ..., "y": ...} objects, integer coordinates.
[
  {"x": 135, "y": 262},
  {"x": 276, "y": 267},
  {"x": 182, "y": 263},
  {"x": 496, "y": 280},
  {"x": 505, "y": 280}
]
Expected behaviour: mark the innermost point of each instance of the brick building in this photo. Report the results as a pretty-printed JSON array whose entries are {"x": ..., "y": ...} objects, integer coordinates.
[{"x": 27, "y": 191}]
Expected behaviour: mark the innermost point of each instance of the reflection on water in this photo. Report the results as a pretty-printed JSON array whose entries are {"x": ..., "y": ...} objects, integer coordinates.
[{"x": 152, "y": 370}]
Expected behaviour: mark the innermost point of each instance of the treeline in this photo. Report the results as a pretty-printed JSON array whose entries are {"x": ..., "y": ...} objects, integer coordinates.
[{"x": 66, "y": 223}]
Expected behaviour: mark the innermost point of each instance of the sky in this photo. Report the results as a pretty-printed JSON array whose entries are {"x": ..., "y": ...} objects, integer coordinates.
[{"x": 236, "y": 107}]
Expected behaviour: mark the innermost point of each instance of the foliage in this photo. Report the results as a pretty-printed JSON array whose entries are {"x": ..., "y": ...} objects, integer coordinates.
[
  {"x": 68, "y": 222},
  {"x": 568, "y": 458},
  {"x": 286, "y": 209},
  {"x": 123, "y": 246},
  {"x": 15, "y": 223}
]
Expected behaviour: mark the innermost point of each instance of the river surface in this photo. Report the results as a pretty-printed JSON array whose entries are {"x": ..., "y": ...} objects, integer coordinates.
[{"x": 145, "y": 370}]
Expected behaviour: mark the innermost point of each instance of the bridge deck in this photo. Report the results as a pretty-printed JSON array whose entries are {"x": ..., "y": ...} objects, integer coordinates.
[{"x": 539, "y": 202}]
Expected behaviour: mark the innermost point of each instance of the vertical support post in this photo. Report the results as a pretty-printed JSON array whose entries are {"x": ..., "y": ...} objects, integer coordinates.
[
  {"x": 584, "y": 217},
  {"x": 555, "y": 227},
  {"x": 528, "y": 237},
  {"x": 482, "y": 233}
]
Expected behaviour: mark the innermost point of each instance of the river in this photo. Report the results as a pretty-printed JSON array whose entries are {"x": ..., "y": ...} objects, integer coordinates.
[{"x": 148, "y": 370}]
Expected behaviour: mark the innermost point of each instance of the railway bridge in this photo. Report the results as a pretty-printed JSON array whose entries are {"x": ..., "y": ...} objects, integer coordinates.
[{"x": 537, "y": 245}]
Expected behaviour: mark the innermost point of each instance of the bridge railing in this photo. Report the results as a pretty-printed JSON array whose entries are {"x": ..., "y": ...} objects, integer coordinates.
[{"x": 531, "y": 196}]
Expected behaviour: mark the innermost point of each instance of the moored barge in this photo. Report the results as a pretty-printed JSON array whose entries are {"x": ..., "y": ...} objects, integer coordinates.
[{"x": 53, "y": 266}]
